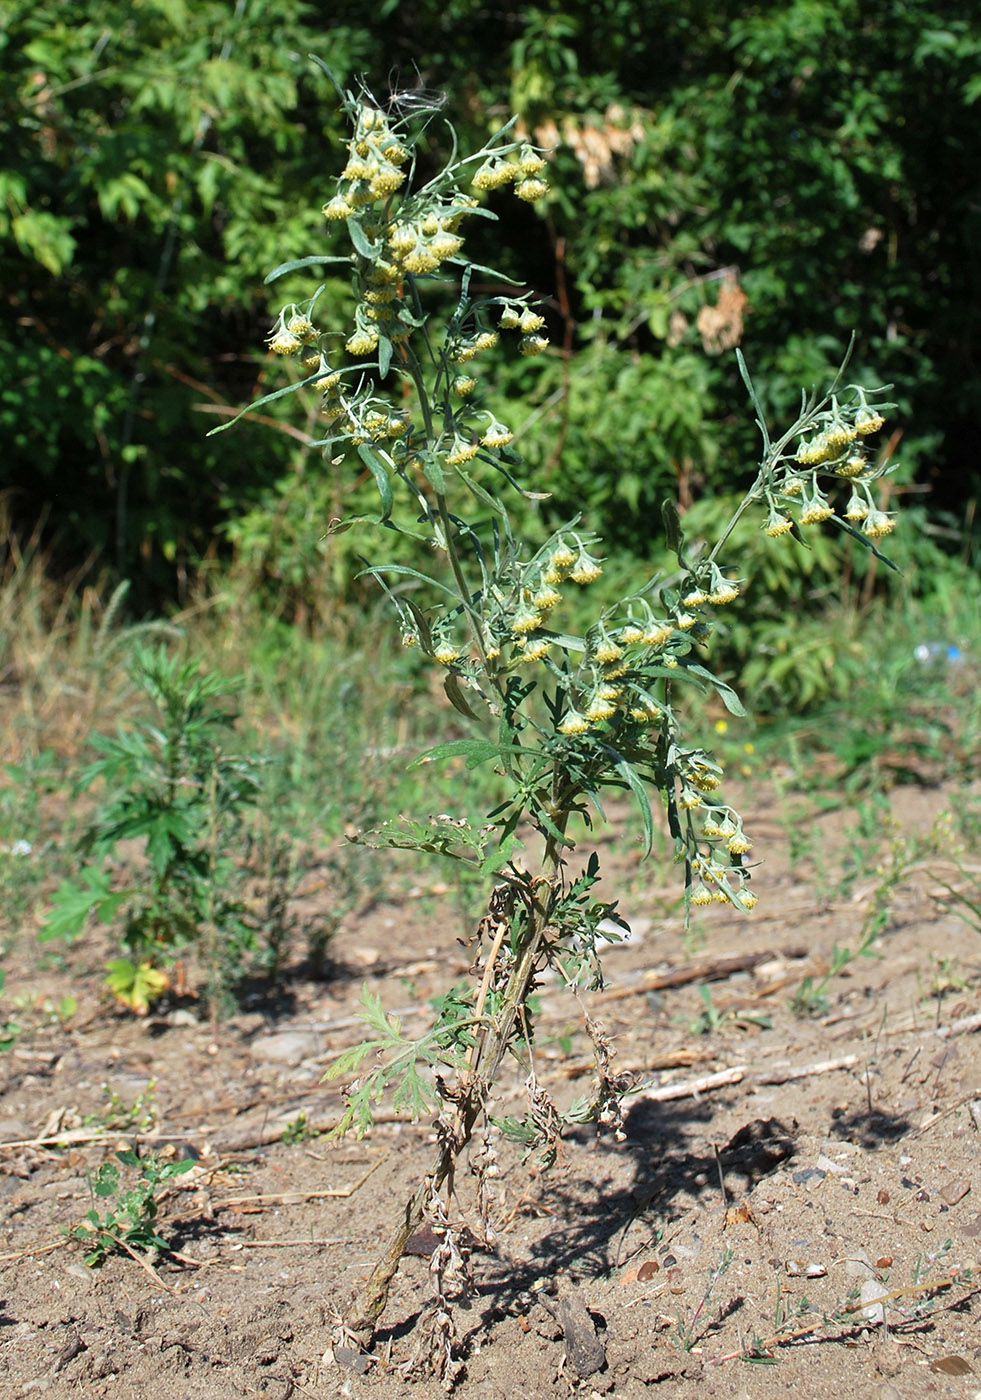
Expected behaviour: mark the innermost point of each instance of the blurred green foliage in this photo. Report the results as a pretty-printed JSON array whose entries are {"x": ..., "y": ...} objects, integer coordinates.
[{"x": 773, "y": 175}]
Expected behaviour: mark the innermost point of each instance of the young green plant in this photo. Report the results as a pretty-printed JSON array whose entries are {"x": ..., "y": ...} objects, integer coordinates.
[{"x": 563, "y": 714}]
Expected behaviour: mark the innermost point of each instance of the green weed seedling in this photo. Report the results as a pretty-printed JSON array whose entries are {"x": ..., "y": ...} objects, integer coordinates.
[
  {"x": 116, "y": 1114},
  {"x": 128, "y": 1221},
  {"x": 177, "y": 783},
  {"x": 688, "y": 1329},
  {"x": 565, "y": 699}
]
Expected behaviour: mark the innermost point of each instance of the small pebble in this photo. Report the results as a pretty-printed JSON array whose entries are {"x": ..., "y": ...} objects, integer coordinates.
[{"x": 955, "y": 1190}]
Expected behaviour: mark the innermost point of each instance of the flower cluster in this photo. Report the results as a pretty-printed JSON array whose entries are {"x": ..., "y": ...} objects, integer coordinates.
[{"x": 832, "y": 445}]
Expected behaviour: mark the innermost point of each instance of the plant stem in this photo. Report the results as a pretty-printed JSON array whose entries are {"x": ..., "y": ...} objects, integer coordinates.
[{"x": 484, "y": 1061}]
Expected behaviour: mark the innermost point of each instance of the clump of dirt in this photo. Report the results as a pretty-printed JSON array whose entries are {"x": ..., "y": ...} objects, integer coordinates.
[{"x": 795, "y": 1202}]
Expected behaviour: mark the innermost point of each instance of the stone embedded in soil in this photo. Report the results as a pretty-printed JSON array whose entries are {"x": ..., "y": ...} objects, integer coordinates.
[
  {"x": 287, "y": 1048},
  {"x": 872, "y": 1290},
  {"x": 954, "y": 1191}
]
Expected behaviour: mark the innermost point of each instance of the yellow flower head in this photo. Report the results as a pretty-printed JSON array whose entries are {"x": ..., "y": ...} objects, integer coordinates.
[
  {"x": 526, "y": 620},
  {"x": 586, "y": 569},
  {"x": 362, "y": 342},
  {"x": 462, "y": 450},
  {"x": 532, "y": 345},
  {"x": 574, "y": 723},
  {"x": 535, "y": 649},
  {"x": 867, "y": 420},
  {"x": 530, "y": 321},
  {"x": 531, "y": 189},
  {"x": 337, "y": 208},
  {"x": 877, "y": 524}
]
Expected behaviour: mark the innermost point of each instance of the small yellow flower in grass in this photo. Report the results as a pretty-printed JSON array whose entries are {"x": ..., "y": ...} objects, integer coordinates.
[
  {"x": 395, "y": 154},
  {"x": 867, "y": 420},
  {"x": 526, "y": 620},
  {"x": 877, "y": 524},
  {"x": 574, "y": 723},
  {"x": 630, "y": 635},
  {"x": 777, "y": 525},
  {"x": 446, "y": 654},
  {"x": 530, "y": 345},
  {"x": 657, "y": 634},
  {"x": 739, "y": 844},
  {"x": 853, "y": 465},
  {"x": 486, "y": 341},
  {"x": 793, "y": 486},
  {"x": 747, "y": 900},
  {"x": 329, "y": 382},
  {"x": 711, "y": 828},
  {"x": 530, "y": 321},
  {"x": 546, "y": 598},
  {"x": 695, "y": 598},
  {"x": 610, "y": 692},
  {"x": 496, "y": 436},
  {"x": 816, "y": 509},
  {"x": 684, "y": 621},
  {"x": 462, "y": 385},
  {"x": 700, "y": 896},
  {"x": 462, "y": 450},
  {"x": 362, "y": 342},
  {"x": 535, "y": 649},
  {"x": 337, "y": 208},
  {"x": 510, "y": 319},
  {"x": 670, "y": 663},
  {"x": 689, "y": 799},
  {"x": 332, "y": 410},
  {"x": 857, "y": 509},
  {"x": 586, "y": 569},
  {"x": 531, "y": 189}
]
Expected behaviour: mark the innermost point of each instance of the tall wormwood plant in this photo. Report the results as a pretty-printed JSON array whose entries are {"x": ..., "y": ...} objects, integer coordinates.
[{"x": 562, "y": 715}]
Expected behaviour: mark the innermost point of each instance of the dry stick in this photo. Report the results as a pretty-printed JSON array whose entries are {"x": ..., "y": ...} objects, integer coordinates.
[
  {"x": 283, "y": 1244},
  {"x": 944, "y": 1113},
  {"x": 708, "y": 970},
  {"x": 779, "y": 1075},
  {"x": 694, "y": 1087},
  {"x": 295, "y": 1198},
  {"x": 931, "y": 1286}
]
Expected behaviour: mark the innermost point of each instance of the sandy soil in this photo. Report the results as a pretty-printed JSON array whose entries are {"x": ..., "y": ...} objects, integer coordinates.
[{"x": 659, "y": 1264}]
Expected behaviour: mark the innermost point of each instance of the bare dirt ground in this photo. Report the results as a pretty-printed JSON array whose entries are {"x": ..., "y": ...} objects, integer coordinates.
[{"x": 830, "y": 1158}]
